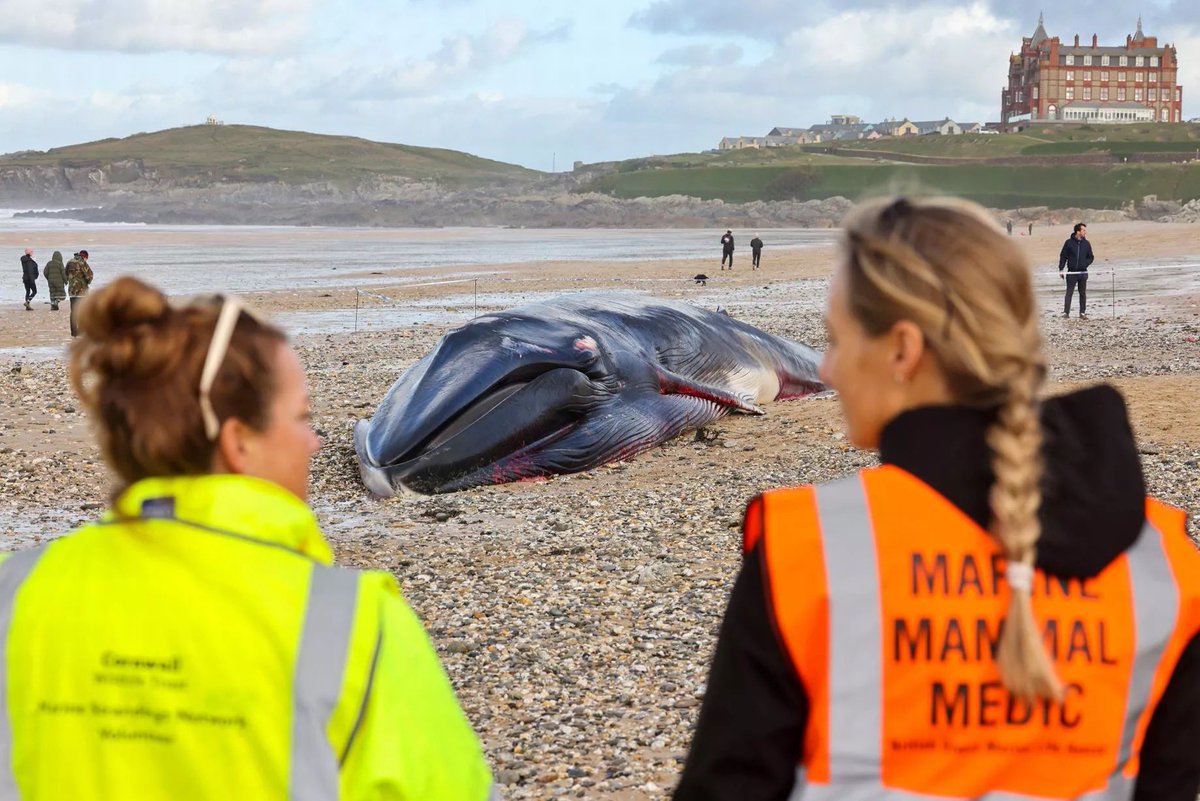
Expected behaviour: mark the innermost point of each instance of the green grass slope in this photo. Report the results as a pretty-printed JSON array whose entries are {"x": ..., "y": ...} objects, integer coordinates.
[
  {"x": 1033, "y": 180},
  {"x": 245, "y": 153},
  {"x": 999, "y": 186}
]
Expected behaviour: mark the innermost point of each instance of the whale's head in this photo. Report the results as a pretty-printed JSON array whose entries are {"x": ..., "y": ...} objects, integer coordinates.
[{"x": 487, "y": 405}]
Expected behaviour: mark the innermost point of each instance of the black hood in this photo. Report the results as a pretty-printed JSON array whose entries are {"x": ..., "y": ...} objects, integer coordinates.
[{"x": 1093, "y": 491}]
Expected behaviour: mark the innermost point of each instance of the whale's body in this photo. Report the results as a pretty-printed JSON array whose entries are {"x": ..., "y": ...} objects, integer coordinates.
[{"x": 567, "y": 385}]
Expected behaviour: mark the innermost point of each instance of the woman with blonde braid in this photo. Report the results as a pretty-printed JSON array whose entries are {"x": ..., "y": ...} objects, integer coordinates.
[{"x": 998, "y": 611}]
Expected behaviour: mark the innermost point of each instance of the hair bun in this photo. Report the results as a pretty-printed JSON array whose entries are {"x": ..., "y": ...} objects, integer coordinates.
[{"x": 111, "y": 312}]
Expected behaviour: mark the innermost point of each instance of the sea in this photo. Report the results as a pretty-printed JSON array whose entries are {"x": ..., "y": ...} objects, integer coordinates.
[{"x": 193, "y": 259}]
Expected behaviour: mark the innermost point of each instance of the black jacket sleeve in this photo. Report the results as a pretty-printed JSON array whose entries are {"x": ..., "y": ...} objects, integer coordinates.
[
  {"x": 1170, "y": 765},
  {"x": 750, "y": 735},
  {"x": 1088, "y": 257},
  {"x": 1063, "y": 255}
]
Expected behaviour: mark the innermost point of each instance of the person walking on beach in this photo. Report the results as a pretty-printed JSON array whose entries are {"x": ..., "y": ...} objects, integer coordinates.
[
  {"x": 958, "y": 622},
  {"x": 1076, "y": 256},
  {"x": 197, "y": 641},
  {"x": 56, "y": 280},
  {"x": 79, "y": 278},
  {"x": 29, "y": 276},
  {"x": 1009, "y": 226},
  {"x": 756, "y": 246},
  {"x": 727, "y": 249},
  {"x": 1031, "y": 229}
]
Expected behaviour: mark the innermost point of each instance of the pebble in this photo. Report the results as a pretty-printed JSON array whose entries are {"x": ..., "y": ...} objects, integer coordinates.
[{"x": 575, "y": 620}]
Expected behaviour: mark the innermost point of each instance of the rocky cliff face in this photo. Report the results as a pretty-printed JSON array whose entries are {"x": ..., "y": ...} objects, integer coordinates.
[{"x": 129, "y": 192}]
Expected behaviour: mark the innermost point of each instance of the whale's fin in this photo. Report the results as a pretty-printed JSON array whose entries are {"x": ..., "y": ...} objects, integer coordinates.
[{"x": 670, "y": 383}]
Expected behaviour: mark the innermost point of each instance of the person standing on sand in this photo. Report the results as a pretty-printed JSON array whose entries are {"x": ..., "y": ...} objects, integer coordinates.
[
  {"x": 56, "y": 280},
  {"x": 756, "y": 246},
  {"x": 79, "y": 278},
  {"x": 1008, "y": 225},
  {"x": 1031, "y": 229},
  {"x": 1076, "y": 256},
  {"x": 727, "y": 249},
  {"x": 29, "y": 275}
]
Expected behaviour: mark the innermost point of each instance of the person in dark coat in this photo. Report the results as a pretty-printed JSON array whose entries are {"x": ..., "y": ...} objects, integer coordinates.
[
  {"x": 727, "y": 249},
  {"x": 756, "y": 246},
  {"x": 1076, "y": 256},
  {"x": 29, "y": 274},
  {"x": 56, "y": 280}
]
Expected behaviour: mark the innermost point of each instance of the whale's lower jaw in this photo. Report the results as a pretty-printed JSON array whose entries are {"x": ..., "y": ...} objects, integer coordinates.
[{"x": 375, "y": 477}]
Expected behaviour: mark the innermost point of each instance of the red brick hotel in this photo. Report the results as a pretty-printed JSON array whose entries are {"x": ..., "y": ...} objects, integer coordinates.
[{"x": 1052, "y": 81}]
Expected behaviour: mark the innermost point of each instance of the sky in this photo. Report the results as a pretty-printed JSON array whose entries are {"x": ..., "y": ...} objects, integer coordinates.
[{"x": 541, "y": 83}]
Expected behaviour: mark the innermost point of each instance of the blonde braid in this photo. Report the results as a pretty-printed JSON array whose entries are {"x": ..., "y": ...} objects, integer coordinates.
[
  {"x": 1016, "y": 440},
  {"x": 945, "y": 265}
]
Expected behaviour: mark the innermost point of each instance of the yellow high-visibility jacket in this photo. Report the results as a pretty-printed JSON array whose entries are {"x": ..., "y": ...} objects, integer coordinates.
[{"x": 195, "y": 644}]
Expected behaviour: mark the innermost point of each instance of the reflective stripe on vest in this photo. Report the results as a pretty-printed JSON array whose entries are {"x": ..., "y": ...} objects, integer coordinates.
[
  {"x": 320, "y": 665},
  {"x": 13, "y": 573},
  {"x": 856, "y": 650}
]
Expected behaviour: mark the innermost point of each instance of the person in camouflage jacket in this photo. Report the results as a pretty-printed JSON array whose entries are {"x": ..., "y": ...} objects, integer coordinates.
[{"x": 79, "y": 278}]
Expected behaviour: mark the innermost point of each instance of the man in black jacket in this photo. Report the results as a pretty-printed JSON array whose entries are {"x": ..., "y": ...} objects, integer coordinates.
[
  {"x": 29, "y": 274},
  {"x": 756, "y": 246},
  {"x": 727, "y": 249},
  {"x": 1076, "y": 255}
]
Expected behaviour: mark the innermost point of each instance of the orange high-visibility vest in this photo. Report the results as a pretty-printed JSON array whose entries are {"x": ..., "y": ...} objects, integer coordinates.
[{"x": 889, "y": 601}]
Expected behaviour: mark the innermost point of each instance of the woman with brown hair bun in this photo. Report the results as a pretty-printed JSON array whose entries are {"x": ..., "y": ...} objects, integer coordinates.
[
  {"x": 997, "y": 611},
  {"x": 195, "y": 641}
]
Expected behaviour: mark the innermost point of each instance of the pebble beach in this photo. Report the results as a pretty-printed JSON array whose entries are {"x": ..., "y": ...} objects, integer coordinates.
[{"x": 576, "y": 616}]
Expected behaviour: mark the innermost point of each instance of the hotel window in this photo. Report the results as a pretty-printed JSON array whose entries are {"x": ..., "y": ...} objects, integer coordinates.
[
  {"x": 1087, "y": 61},
  {"x": 1070, "y": 93},
  {"x": 1121, "y": 75},
  {"x": 1152, "y": 95},
  {"x": 1104, "y": 93},
  {"x": 1070, "y": 60},
  {"x": 1124, "y": 61},
  {"x": 1154, "y": 77},
  {"x": 1103, "y": 61},
  {"x": 1153, "y": 61},
  {"x": 1035, "y": 93},
  {"x": 1087, "y": 75},
  {"x": 1165, "y": 116},
  {"x": 1137, "y": 95},
  {"x": 1087, "y": 93},
  {"x": 1104, "y": 75},
  {"x": 1140, "y": 62},
  {"x": 1139, "y": 77},
  {"x": 1070, "y": 75},
  {"x": 1121, "y": 95}
]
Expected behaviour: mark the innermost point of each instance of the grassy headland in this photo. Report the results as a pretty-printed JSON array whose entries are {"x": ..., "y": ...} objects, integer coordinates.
[
  {"x": 216, "y": 154},
  {"x": 1091, "y": 166}
]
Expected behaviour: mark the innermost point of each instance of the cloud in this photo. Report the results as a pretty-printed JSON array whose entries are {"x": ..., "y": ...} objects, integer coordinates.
[
  {"x": 143, "y": 26},
  {"x": 458, "y": 58},
  {"x": 15, "y": 96},
  {"x": 760, "y": 19},
  {"x": 701, "y": 55},
  {"x": 774, "y": 20}
]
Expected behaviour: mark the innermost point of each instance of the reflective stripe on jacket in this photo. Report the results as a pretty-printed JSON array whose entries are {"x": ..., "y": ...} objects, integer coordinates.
[
  {"x": 889, "y": 602},
  {"x": 195, "y": 644}
]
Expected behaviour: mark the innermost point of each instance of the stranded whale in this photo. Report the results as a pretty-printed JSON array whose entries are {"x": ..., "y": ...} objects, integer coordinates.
[{"x": 567, "y": 385}]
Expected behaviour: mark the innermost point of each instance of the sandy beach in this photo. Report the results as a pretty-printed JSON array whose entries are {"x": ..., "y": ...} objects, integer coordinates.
[{"x": 576, "y": 616}]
